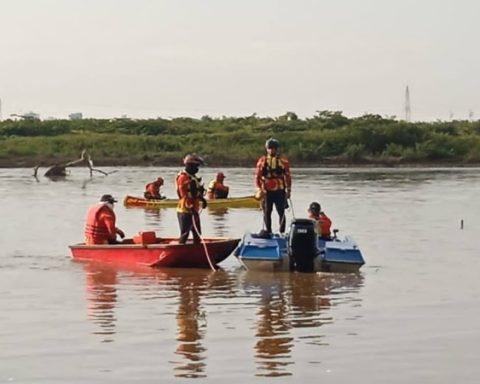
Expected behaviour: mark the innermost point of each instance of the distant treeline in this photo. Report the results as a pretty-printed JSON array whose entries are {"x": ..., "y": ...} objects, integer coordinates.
[{"x": 326, "y": 138}]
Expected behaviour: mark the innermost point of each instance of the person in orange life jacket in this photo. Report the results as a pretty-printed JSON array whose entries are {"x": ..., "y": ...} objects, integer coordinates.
[
  {"x": 100, "y": 224},
  {"x": 323, "y": 221},
  {"x": 190, "y": 192},
  {"x": 274, "y": 183},
  {"x": 216, "y": 189},
  {"x": 152, "y": 190}
]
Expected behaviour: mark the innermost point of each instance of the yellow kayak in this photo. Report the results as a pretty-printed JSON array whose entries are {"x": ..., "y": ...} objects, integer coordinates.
[{"x": 231, "y": 202}]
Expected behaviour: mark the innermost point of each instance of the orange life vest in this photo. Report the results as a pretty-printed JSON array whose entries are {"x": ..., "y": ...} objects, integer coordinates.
[
  {"x": 99, "y": 218},
  {"x": 216, "y": 190},
  {"x": 190, "y": 192},
  {"x": 152, "y": 191},
  {"x": 273, "y": 173},
  {"x": 323, "y": 224}
]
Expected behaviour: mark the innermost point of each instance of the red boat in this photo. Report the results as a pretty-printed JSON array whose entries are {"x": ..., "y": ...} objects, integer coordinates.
[{"x": 147, "y": 249}]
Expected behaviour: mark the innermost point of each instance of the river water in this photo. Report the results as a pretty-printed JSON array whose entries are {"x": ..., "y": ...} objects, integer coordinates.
[{"x": 411, "y": 315}]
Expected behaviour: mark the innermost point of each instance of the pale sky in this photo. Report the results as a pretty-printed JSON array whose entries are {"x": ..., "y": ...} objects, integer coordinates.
[{"x": 170, "y": 58}]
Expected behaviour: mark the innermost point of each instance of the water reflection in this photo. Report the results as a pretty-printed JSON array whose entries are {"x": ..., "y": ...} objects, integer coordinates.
[
  {"x": 218, "y": 215},
  {"x": 274, "y": 342},
  {"x": 189, "y": 287},
  {"x": 101, "y": 298},
  {"x": 289, "y": 302},
  {"x": 217, "y": 211},
  {"x": 290, "y": 309},
  {"x": 191, "y": 326}
]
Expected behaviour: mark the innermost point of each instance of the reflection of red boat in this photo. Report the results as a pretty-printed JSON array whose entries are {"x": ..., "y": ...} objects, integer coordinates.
[{"x": 158, "y": 252}]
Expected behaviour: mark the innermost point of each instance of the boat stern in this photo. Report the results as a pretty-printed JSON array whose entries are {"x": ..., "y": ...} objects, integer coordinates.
[
  {"x": 342, "y": 256},
  {"x": 263, "y": 253}
]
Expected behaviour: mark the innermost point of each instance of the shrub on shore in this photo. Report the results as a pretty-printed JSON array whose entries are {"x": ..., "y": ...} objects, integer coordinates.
[{"x": 326, "y": 138}]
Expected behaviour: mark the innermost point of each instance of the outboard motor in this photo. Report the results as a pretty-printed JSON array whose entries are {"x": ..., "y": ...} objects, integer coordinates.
[{"x": 302, "y": 245}]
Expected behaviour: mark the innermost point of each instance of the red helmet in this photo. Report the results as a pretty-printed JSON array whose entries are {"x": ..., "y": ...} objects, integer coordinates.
[
  {"x": 193, "y": 159},
  {"x": 220, "y": 176}
]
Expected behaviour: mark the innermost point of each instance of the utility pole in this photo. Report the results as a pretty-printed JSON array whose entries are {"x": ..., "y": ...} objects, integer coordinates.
[{"x": 407, "y": 105}]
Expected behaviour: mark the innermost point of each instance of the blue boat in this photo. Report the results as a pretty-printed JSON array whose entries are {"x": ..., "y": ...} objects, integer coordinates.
[{"x": 299, "y": 250}]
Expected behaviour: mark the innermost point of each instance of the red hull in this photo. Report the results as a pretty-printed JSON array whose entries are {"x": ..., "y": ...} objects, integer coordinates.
[{"x": 165, "y": 253}]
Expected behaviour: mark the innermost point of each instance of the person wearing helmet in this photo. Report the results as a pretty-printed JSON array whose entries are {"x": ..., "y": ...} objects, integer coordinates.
[
  {"x": 274, "y": 183},
  {"x": 216, "y": 189},
  {"x": 190, "y": 193},
  {"x": 100, "y": 224},
  {"x": 152, "y": 190},
  {"x": 323, "y": 221}
]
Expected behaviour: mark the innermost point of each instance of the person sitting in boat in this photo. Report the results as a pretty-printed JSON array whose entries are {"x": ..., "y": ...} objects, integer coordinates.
[
  {"x": 100, "y": 224},
  {"x": 152, "y": 190},
  {"x": 190, "y": 192},
  {"x": 216, "y": 189},
  {"x": 323, "y": 221},
  {"x": 274, "y": 183}
]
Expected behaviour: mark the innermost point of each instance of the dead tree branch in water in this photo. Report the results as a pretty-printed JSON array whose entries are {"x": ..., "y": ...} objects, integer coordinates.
[
  {"x": 57, "y": 170},
  {"x": 90, "y": 166}
]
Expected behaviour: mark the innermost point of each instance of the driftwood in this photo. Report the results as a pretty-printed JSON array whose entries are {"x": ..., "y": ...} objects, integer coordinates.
[
  {"x": 90, "y": 166},
  {"x": 57, "y": 170}
]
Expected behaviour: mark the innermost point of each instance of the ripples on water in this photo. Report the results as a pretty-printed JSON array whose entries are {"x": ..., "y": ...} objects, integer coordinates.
[
  {"x": 280, "y": 309},
  {"x": 410, "y": 315}
]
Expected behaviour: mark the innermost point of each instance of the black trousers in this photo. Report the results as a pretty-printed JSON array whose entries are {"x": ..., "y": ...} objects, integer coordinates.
[
  {"x": 186, "y": 221},
  {"x": 279, "y": 199}
]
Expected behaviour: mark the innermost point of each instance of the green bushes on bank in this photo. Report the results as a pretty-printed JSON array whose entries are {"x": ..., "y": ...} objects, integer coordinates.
[{"x": 325, "y": 137}]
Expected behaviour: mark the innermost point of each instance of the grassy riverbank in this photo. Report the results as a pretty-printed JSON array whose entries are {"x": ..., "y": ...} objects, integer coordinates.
[{"x": 327, "y": 139}]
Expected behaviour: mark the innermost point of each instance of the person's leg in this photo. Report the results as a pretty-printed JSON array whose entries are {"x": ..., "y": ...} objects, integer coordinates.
[
  {"x": 280, "y": 207},
  {"x": 267, "y": 211},
  {"x": 185, "y": 222}
]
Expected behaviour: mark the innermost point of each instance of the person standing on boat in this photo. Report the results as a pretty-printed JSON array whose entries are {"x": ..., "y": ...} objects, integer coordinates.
[
  {"x": 190, "y": 192},
  {"x": 274, "y": 183},
  {"x": 100, "y": 224},
  {"x": 152, "y": 190},
  {"x": 216, "y": 189},
  {"x": 323, "y": 221}
]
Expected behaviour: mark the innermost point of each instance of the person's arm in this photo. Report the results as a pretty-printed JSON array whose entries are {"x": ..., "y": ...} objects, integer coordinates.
[
  {"x": 108, "y": 218},
  {"x": 183, "y": 190},
  {"x": 161, "y": 197},
  {"x": 259, "y": 173}
]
